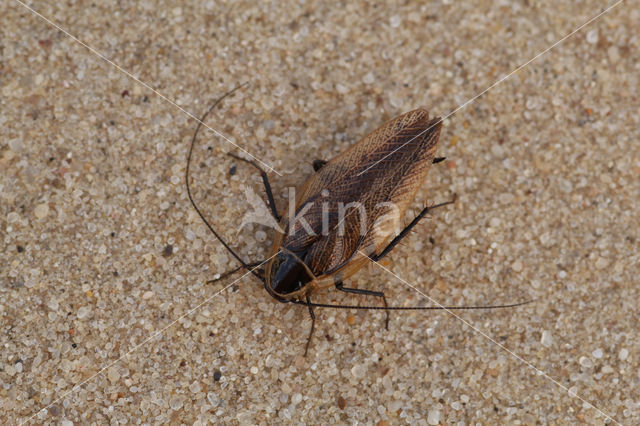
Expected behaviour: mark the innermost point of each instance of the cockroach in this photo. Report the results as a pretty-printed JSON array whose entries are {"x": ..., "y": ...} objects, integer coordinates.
[{"x": 321, "y": 242}]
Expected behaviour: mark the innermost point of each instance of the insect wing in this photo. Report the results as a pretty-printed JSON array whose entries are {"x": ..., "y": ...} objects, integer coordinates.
[{"x": 364, "y": 192}]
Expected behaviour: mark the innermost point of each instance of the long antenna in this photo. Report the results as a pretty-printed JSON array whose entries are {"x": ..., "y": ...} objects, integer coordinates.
[
  {"x": 186, "y": 175},
  {"x": 410, "y": 308}
]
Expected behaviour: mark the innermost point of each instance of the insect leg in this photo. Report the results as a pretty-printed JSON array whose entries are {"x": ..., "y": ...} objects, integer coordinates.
[
  {"x": 406, "y": 230},
  {"x": 318, "y": 164},
  {"x": 341, "y": 287},
  {"x": 233, "y": 271},
  {"x": 313, "y": 324},
  {"x": 265, "y": 181}
]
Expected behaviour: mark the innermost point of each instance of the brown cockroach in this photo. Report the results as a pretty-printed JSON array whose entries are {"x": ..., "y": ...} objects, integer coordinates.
[{"x": 378, "y": 177}]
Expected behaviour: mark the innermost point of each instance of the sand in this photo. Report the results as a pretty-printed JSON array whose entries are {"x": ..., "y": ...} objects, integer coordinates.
[{"x": 105, "y": 313}]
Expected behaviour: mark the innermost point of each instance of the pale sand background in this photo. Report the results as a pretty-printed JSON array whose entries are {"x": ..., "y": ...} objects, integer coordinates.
[{"x": 547, "y": 167}]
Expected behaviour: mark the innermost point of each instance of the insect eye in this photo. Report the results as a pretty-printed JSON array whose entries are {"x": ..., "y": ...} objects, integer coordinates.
[{"x": 288, "y": 274}]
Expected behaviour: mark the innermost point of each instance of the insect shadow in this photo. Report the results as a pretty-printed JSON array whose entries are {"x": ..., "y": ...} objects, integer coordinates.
[{"x": 345, "y": 215}]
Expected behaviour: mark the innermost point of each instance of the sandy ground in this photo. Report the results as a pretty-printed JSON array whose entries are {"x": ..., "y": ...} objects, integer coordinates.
[{"x": 105, "y": 314}]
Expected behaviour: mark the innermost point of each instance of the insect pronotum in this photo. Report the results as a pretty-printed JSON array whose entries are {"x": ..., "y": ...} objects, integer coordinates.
[{"x": 345, "y": 214}]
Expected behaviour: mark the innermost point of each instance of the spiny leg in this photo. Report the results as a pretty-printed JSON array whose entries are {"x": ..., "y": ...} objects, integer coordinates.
[
  {"x": 265, "y": 181},
  {"x": 313, "y": 324},
  {"x": 340, "y": 286},
  {"x": 233, "y": 271},
  {"x": 408, "y": 229}
]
